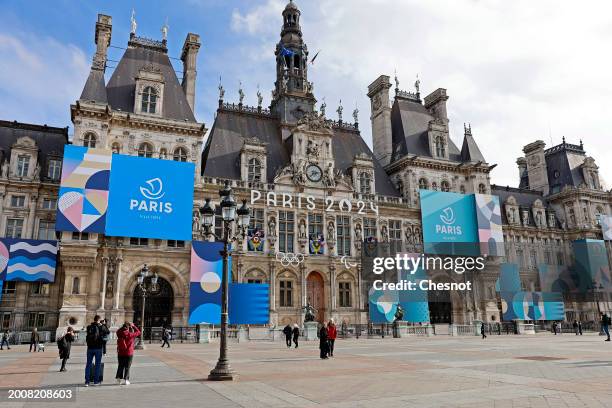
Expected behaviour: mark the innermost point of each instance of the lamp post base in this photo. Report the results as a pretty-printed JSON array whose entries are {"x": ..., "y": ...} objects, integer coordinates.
[{"x": 222, "y": 372}]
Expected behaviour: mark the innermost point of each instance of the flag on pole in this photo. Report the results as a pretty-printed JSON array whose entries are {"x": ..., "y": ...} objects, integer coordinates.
[{"x": 286, "y": 53}]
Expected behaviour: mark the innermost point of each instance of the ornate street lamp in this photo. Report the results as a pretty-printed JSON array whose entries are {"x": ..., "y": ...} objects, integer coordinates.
[
  {"x": 145, "y": 287},
  {"x": 223, "y": 371}
]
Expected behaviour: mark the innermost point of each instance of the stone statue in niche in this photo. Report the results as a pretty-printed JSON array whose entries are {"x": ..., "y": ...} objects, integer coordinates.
[
  {"x": 525, "y": 218},
  {"x": 272, "y": 226},
  {"x": 331, "y": 227},
  {"x": 195, "y": 225},
  {"x": 5, "y": 168},
  {"x": 302, "y": 229},
  {"x": 384, "y": 232},
  {"x": 109, "y": 287}
]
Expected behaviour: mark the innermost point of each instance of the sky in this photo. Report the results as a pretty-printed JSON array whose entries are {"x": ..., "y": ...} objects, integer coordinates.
[{"x": 517, "y": 71}]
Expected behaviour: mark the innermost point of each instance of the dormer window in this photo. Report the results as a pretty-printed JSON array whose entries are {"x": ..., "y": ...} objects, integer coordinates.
[
  {"x": 89, "y": 140},
  {"x": 145, "y": 150},
  {"x": 180, "y": 154},
  {"x": 254, "y": 171},
  {"x": 423, "y": 185},
  {"x": 23, "y": 165},
  {"x": 365, "y": 183},
  {"x": 440, "y": 147},
  {"x": 54, "y": 169},
  {"x": 149, "y": 100}
]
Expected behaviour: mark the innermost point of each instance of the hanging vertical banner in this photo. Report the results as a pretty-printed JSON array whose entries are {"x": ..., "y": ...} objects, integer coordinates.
[
  {"x": 591, "y": 265},
  {"x": 28, "y": 260},
  {"x": 205, "y": 282},
  {"x": 606, "y": 227},
  {"x": 83, "y": 193},
  {"x": 488, "y": 217}
]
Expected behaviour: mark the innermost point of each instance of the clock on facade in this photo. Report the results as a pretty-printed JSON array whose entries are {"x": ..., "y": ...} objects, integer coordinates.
[{"x": 314, "y": 172}]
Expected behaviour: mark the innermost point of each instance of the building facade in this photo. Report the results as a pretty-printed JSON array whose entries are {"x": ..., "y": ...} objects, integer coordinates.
[{"x": 316, "y": 190}]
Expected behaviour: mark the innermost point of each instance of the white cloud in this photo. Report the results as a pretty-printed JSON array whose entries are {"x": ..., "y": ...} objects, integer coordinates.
[
  {"x": 516, "y": 70},
  {"x": 39, "y": 78}
]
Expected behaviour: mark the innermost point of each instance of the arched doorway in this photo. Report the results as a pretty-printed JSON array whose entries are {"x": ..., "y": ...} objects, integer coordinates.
[
  {"x": 315, "y": 294},
  {"x": 440, "y": 306},
  {"x": 158, "y": 306}
]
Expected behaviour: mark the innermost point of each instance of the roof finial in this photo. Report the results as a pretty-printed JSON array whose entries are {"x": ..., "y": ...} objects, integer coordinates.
[
  {"x": 356, "y": 114},
  {"x": 221, "y": 90},
  {"x": 581, "y": 145},
  {"x": 417, "y": 86},
  {"x": 396, "y": 82},
  {"x": 563, "y": 139},
  {"x": 164, "y": 30},
  {"x": 322, "y": 107},
  {"x": 467, "y": 129},
  {"x": 240, "y": 93},
  {"x": 259, "y": 97},
  {"x": 133, "y": 23}
]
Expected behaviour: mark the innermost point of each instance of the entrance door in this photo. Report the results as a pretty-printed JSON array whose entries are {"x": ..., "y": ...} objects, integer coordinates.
[
  {"x": 315, "y": 294},
  {"x": 158, "y": 306},
  {"x": 440, "y": 307}
]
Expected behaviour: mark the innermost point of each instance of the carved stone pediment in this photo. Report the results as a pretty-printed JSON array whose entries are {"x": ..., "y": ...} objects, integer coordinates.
[{"x": 313, "y": 122}]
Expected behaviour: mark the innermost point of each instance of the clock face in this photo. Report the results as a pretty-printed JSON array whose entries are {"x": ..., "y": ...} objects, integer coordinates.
[{"x": 314, "y": 172}]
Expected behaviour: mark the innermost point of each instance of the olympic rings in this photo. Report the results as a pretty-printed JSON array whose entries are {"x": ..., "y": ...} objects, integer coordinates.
[{"x": 289, "y": 258}]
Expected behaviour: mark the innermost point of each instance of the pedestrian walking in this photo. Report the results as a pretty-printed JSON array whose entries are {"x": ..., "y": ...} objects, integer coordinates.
[
  {"x": 95, "y": 333},
  {"x": 323, "y": 341},
  {"x": 331, "y": 335},
  {"x": 288, "y": 331},
  {"x": 34, "y": 340},
  {"x": 605, "y": 325},
  {"x": 125, "y": 351},
  {"x": 482, "y": 330},
  {"x": 106, "y": 337},
  {"x": 5, "y": 340},
  {"x": 64, "y": 344},
  {"x": 166, "y": 335},
  {"x": 580, "y": 328},
  {"x": 554, "y": 327},
  {"x": 296, "y": 334},
  {"x": 575, "y": 326}
]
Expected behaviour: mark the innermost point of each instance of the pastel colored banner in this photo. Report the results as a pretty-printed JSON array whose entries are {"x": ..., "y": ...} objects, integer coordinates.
[
  {"x": 205, "y": 282},
  {"x": 83, "y": 193},
  {"x": 591, "y": 265},
  {"x": 532, "y": 306},
  {"x": 28, "y": 260},
  {"x": 488, "y": 217},
  {"x": 606, "y": 227}
]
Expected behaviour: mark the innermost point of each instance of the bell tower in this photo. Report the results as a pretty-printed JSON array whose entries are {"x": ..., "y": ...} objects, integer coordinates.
[{"x": 292, "y": 96}]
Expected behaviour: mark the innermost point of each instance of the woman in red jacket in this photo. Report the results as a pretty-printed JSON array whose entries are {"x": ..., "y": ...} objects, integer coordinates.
[
  {"x": 125, "y": 351},
  {"x": 331, "y": 336}
]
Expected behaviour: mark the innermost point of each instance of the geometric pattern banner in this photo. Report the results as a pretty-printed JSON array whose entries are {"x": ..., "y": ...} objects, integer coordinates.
[
  {"x": 532, "y": 306},
  {"x": 606, "y": 227},
  {"x": 205, "y": 282},
  {"x": 27, "y": 260},
  {"x": 488, "y": 216},
  {"x": 591, "y": 264},
  {"x": 83, "y": 194}
]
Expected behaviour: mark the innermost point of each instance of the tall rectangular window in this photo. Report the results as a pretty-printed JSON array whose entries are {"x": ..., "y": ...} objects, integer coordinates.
[
  {"x": 9, "y": 288},
  {"x": 344, "y": 293},
  {"x": 14, "y": 228},
  {"x": 315, "y": 234},
  {"x": 17, "y": 201},
  {"x": 286, "y": 231},
  {"x": 395, "y": 235},
  {"x": 49, "y": 204},
  {"x": 46, "y": 230},
  {"x": 520, "y": 258},
  {"x": 36, "y": 319},
  {"x": 286, "y": 293},
  {"x": 369, "y": 228},
  {"x": 256, "y": 232},
  {"x": 343, "y": 234},
  {"x": 54, "y": 169},
  {"x": 533, "y": 259},
  {"x": 23, "y": 165},
  {"x": 39, "y": 288},
  {"x": 6, "y": 320}
]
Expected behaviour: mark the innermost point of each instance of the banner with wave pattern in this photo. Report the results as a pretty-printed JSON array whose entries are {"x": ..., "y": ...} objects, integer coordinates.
[{"x": 28, "y": 260}]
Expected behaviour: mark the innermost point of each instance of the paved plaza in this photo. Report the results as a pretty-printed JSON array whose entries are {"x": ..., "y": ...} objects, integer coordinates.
[{"x": 501, "y": 371}]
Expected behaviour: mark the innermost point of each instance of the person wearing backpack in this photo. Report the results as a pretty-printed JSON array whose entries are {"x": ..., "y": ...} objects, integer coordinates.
[
  {"x": 106, "y": 337},
  {"x": 64, "y": 344},
  {"x": 605, "y": 326},
  {"x": 166, "y": 336},
  {"x": 95, "y": 333},
  {"x": 5, "y": 340},
  {"x": 125, "y": 351}
]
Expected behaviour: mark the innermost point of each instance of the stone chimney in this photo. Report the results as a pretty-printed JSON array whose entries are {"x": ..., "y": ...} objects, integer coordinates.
[
  {"x": 378, "y": 92},
  {"x": 104, "y": 28},
  {"x": 435, "y": 102},
  {"x": 188, "y": 56},
  {"x": 536, "y": 166},
  {"x": 522, "y": 166}
]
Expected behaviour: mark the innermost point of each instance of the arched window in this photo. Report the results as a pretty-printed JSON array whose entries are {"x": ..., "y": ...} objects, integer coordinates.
[
  {"x": 254, "y": 171},
  {"x": 180, "y": 154},
  {"x": 482, "y": 189},
  {"x": 365, "y": 183},
  {"x": 444, "y": 186},
  {"x": 423, "y": 185},
  {"x": 116, "y": 148},
  {"x": 440, "y": 146},
  {"x": 434, "y": 186},
  {"x": 599, "y": 213},
  {"x": 163, "y": 154},
  {"x": 76, "y": 286},
  {"x": 89, "y": 140},
  {"x": 149, "y": 100},
  {"x": 145, "y": 150}
]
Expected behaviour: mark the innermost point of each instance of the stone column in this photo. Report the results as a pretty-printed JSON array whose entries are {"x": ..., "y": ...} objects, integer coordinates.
[
  {"x": 332, "y": 288},
  {"x": 272, "y": 271},
  {"x": 103, "y": 288},
  {"x": 303, "y": 284},
  {"x": 30, "y": 231},
  {"x": 2, "y": 196},
  {"x": 118, "y": 286}
]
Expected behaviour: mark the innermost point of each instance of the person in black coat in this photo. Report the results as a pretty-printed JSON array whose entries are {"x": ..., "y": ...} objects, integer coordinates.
[
  {"x": 287, "y": 331},
  {"x": 483, "y": 330},
  {"x": 64, "y": 351},
  {"x": 296, "y": 334},
  {"x": 323, "y": 341}
]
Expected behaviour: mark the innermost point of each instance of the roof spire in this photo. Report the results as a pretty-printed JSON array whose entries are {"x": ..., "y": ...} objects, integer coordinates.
[
  {"x": 221, "y": 91},
  {"x": 467, "y": 129},
  {"x": 133, "y": 24},
  {"x": 164, "y": 31}
]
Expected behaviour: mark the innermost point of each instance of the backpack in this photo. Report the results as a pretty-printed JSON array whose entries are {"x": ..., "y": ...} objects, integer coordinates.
[
  {"x": 62, "y": 343},
  {"x": 93, "y": 335}
]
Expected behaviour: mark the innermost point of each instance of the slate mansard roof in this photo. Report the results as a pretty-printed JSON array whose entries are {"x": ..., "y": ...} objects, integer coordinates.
[
  {"x": 49, "y": 140},
  {"x": 119, "y": 93},
  {"x": 221, "y": 156}
]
